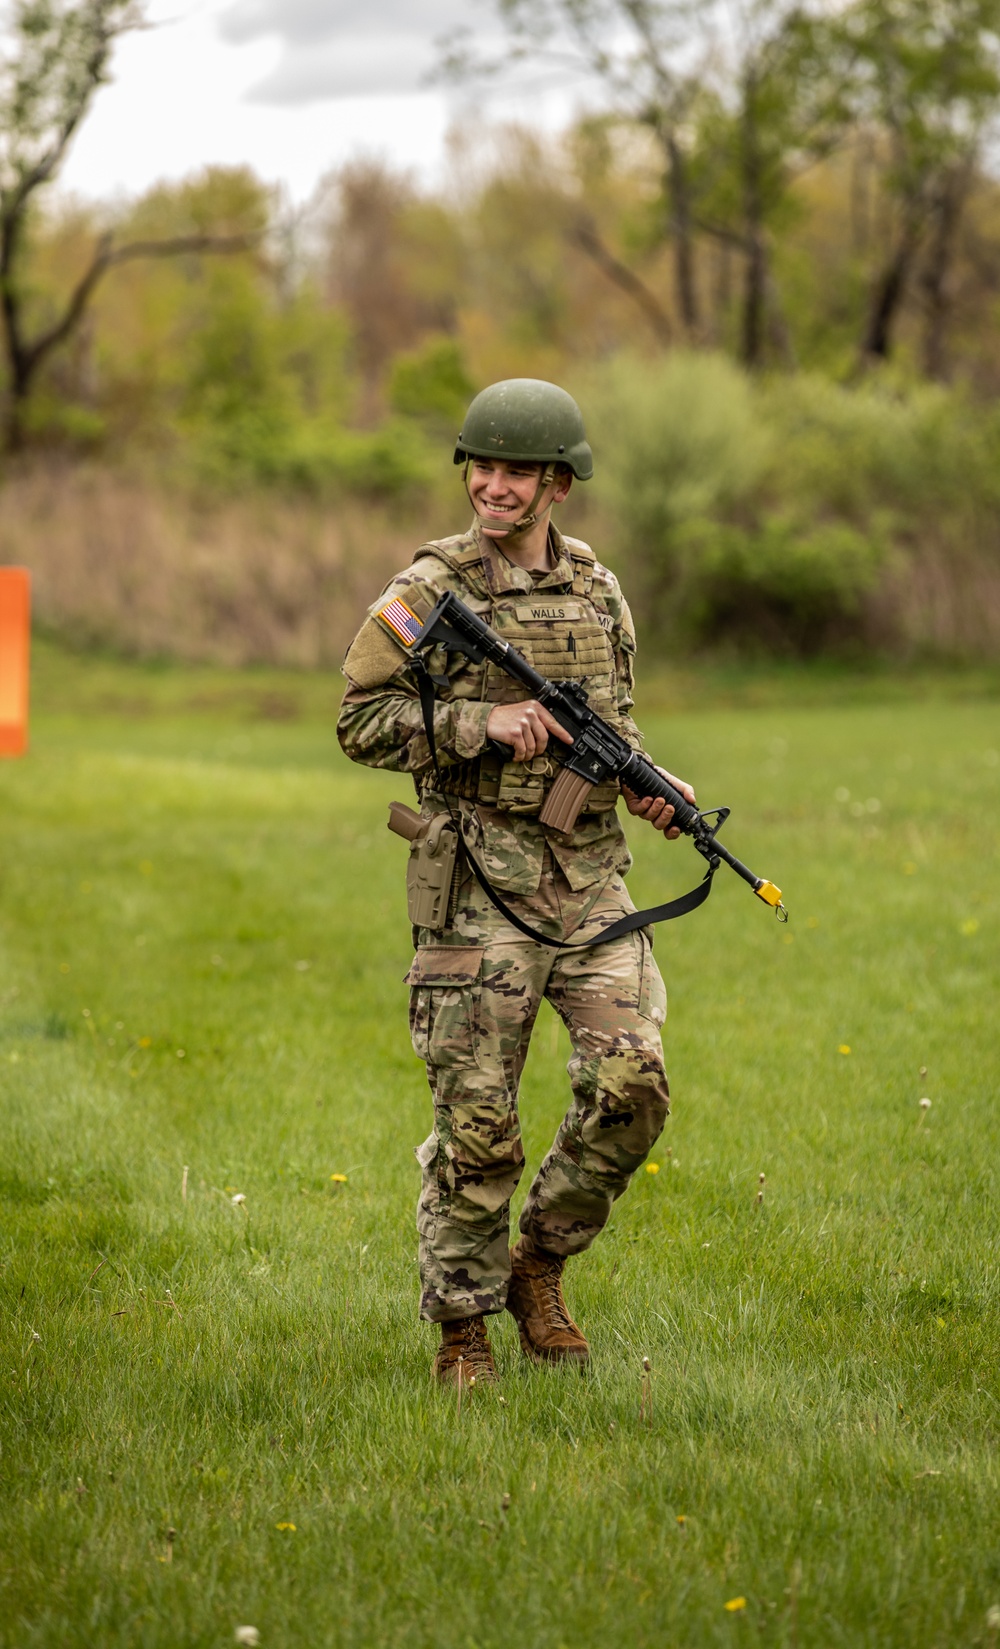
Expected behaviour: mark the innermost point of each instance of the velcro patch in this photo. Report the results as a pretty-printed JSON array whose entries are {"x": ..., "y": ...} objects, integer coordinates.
[
  {"x": 548, "y": 612},
  {"x": 401, "y": 620},
  {"x": 445, "y": 965}
]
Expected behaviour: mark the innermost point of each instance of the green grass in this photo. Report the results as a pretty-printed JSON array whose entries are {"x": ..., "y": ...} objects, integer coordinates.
[{"x": 825, "y": 1369}]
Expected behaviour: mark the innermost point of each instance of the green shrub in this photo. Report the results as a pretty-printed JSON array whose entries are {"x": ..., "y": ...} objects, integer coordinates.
[
  {"x": 312, "y": 455},
  {"x": 787, "y": 513},
  {"x": 677, "y": 440},
  {"x": 881, "y": 446},
  {"x": 781, "y": 588},
  {"x": 432, "y": 383}
]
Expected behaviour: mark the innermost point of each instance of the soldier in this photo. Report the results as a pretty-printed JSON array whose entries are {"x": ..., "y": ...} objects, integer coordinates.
[{"x": 476, "y": 983}]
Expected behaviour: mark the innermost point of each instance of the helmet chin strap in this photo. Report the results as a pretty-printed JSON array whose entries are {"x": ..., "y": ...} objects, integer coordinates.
[{"x": 526, "y": 522}]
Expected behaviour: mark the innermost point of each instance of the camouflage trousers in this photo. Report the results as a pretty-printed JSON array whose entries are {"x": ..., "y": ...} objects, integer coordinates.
[{"x": 473, "y": 1006}]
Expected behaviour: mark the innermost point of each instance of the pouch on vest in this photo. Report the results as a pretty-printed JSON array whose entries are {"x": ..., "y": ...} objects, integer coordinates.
[{"x": 431, "y": 867}]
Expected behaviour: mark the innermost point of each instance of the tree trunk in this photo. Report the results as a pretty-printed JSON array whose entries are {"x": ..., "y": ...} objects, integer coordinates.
[
  {"x": 861, "y": 191},
  {"x": 13, "y": 436},
  {"x": 754, "y": 299},
  {"x": 723, "y": 284},
  {"x": 683, "y": 236},
  {"x": 755, "y": 272},
  {"x": 777, "y": 324},
  {"x": 18, "y": 364},
  {"x": 934, "y": 277},
  {"x": 889, "y": 289}
]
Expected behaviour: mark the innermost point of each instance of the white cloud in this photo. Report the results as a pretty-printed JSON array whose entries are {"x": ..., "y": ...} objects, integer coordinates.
[
  {"x": 186, "y": 93},
  {"x": 306, "y": 21},
  {"x": 336, "y": 48}
]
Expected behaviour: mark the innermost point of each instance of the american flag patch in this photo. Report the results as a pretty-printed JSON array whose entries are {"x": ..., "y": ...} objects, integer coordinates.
[{"x": 405, "y": 624}]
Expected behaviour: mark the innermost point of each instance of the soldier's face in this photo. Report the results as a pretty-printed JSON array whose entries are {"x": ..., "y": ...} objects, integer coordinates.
[{"x": 502, "y": 492}]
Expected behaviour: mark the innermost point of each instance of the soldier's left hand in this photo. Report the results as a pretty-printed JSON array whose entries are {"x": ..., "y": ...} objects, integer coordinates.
[{"x": 657, "y": 811}]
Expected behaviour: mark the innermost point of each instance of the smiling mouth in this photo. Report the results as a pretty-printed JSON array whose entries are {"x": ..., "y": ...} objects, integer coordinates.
[{"x": 499, "y": 509}]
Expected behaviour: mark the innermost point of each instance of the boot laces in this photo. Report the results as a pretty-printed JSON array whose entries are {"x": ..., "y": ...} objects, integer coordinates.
[
  {"x": 474, "y": 1346},
  {"x": 552, "y": 1286}
]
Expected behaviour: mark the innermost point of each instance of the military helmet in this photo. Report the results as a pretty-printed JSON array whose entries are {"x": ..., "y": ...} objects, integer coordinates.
[{"x": 526, "y": 420}]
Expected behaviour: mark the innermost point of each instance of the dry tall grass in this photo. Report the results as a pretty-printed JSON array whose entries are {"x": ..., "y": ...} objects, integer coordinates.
[
  {"x": 940, "y": 599},
  {"x": 124, "y": 564},
  {"x": 119, "y": 563}
]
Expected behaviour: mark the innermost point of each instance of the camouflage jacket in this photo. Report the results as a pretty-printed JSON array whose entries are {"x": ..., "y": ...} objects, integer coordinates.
[{"x": 381, "y": 723}]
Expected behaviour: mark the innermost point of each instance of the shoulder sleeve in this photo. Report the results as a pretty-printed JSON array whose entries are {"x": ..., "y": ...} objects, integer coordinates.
[
  {"x": 379, "y": 650},
  {"x": 622, "y": 637},
  {"x": 622, "y": 630}
]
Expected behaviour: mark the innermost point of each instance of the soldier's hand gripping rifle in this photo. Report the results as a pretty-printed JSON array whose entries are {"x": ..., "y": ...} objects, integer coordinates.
[{"x": 596, "y": 754}]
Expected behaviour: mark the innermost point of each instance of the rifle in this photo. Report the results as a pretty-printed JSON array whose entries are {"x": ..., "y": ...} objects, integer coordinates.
[{"x": 596, "y": 754}]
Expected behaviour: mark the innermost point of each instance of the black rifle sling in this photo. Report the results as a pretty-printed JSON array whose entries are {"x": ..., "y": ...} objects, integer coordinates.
[{"x": 615, "y": 930}]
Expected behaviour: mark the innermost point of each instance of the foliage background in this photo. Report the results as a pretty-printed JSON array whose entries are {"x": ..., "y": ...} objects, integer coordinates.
[{"x": 227, "y": 439}]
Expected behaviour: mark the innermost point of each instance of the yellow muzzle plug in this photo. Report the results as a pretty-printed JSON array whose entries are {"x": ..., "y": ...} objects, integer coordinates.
[{"x": 771, "y": 895}]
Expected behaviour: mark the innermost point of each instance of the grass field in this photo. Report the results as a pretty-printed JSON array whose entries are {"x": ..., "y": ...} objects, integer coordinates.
[{"x": 217, "y": 1413}]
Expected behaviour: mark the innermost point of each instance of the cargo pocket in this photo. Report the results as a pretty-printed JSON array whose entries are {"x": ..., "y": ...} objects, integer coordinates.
[
  {"x": 652, "y": 991},
  {"x": 426, "y": 1152},
  {"x": 445, "y": 987},
  {"x": 434, "y": 1191}
]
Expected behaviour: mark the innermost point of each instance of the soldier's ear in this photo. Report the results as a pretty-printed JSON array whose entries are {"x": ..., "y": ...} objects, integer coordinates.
[{"x": 563, "y": 482}]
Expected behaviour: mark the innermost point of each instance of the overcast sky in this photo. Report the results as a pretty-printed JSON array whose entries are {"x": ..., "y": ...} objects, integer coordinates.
[{"x": 291, "y": 86}]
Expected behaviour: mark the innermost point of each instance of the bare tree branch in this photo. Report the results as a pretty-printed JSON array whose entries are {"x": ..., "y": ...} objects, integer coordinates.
[
  {"x": 106, "y": 257},
  {"x": 584, "y": 235},
  {"x": 58, "y": 58}
]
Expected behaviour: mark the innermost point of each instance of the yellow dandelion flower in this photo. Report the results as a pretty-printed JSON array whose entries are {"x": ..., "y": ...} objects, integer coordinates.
[
  {"x": 290, "y": 1526},
  {"x": 969, "y": 927},
  {"x": 145, "y": 1041},
  {"x": 652, "y": 1168},
  {"x": 845, "y": 1048},
  {"x": 682, "y": 1519},
  {"x": 339, "y": 1179},
  {"x": 736, "y": 1603}
]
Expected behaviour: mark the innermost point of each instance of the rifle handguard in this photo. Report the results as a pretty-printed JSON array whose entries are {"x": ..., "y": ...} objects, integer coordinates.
[{"x": 566, "y": 796}]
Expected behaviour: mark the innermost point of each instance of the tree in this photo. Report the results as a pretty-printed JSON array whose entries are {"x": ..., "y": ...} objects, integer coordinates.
[
  {"x": 57, "y": 57},
  {"x": 928, "y": 74},
  {"x": 737, "y": 97},
  {"x": 635, "y": 48},
  {"x": 392, "y": 264},
  {"x": 776, "y": 106}
]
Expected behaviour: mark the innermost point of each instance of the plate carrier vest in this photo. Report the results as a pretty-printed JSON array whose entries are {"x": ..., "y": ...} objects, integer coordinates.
[{"x": 565, "y": 636}]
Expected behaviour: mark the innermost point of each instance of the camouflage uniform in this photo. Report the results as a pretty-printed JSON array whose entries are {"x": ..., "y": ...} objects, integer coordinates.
[{"x": 476, "y": 986}]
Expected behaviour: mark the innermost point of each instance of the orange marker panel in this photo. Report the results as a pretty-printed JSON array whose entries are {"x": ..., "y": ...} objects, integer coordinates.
[{"x": 15, "y": 638}]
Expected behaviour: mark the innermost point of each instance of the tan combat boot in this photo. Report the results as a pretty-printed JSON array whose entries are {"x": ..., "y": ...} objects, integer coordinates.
[
  {"x": 535, "y": 1301},
  {"x": 464, "y": 1354}
]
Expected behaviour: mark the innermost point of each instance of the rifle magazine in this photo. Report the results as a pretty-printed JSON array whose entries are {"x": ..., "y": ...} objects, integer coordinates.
[{"x": 566, "y": 796}]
